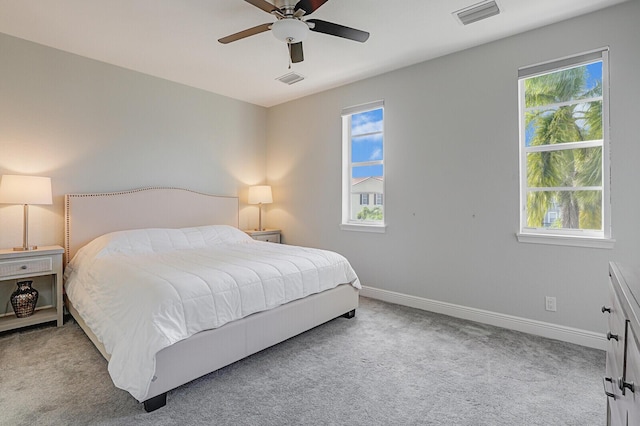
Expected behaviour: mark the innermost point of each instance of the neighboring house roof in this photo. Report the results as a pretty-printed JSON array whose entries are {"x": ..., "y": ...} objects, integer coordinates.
[
  {"x": 357, "y": 181},
  {"x": 367, "y": 185}
]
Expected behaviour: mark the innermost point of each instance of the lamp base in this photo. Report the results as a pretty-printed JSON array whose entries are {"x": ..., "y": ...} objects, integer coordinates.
[{"x": 28, "y": 248}]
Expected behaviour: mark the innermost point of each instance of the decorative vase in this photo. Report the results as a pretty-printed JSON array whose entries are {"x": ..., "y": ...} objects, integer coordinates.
[{"x": 24, "y": 299}]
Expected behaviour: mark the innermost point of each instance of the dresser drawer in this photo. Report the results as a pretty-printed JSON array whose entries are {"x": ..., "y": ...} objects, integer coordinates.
[
  {"x": 10, "y": 268},
  {"x": 615, "y": 334}
]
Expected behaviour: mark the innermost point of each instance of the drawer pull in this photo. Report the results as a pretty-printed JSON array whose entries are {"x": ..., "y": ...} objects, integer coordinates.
[
  {"x": 24, "y": 267},
  {"x": 612, "y": 336},
  {"x": 605, "y": 309},
  {"x": 604, "y": 385},
  {"x": 625, "y": 385}
]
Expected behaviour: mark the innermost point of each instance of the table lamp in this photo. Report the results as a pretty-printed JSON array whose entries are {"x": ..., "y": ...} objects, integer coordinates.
[
  {"x": 260, "y": 194},
  {"x": 25, "y": 190}
]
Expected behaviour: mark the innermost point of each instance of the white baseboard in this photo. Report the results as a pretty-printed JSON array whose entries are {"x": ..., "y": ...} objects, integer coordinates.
[{"x": 553, "y": 331}]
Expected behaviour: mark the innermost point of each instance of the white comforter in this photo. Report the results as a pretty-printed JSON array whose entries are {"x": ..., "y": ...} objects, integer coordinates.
[{"x": 143, "y": 290}]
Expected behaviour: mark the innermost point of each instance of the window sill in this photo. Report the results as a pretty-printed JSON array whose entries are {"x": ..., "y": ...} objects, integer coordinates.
[
  {"x": 563, "y": 240},
  {"x": 379, "y": 229}
]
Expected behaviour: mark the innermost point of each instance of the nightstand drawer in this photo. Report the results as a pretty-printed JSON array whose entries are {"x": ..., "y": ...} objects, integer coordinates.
[
  {"x": 270, "y": 238},
  {"x": 25, "y": 266},
  {"x": 267, "y": 235}
]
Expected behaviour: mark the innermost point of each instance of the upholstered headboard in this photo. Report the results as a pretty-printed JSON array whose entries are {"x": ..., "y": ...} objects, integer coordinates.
[{"x": 88, "y": 216}]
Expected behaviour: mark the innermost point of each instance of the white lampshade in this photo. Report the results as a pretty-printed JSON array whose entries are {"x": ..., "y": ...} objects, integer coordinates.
[
  {"x": 16, "y": 189},
  {"x": 260, "y": 194},
  {"x": 25, "y": 190},
  {"x": 290, "y": 30}
]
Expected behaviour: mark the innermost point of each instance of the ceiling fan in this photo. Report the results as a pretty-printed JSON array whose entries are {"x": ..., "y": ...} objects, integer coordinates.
[{"x": 290, "y": 27}]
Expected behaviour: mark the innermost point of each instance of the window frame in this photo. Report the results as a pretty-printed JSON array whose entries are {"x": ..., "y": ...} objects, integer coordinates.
[
  {"x": 571, "y": 237},
  {"x": 348, "y": 224}
]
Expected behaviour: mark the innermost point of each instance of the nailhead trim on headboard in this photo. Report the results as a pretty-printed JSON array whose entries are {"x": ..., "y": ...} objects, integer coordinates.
[{"x": 68, "y": 197}]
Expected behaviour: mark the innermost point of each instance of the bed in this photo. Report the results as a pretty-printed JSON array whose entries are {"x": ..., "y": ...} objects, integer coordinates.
[{"x": 185, "y": 230}]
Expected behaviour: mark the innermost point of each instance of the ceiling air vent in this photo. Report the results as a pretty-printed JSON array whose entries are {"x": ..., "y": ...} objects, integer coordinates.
[
  {"x": 477, "y": 12},
  {"x": 290, "y": 78}
]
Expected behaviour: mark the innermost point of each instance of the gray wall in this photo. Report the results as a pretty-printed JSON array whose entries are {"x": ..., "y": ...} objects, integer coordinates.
[
  {"x": 451, "y": 159},
  {"x": 94, "y": 127}
]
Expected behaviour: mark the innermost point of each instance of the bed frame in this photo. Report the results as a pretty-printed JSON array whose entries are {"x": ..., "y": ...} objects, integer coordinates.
[{"x": 88, "y": 216}]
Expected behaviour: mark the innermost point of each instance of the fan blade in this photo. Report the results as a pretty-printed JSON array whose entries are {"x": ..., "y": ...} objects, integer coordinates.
[
  {"x": 264, "y": 5},
  {"x": 337, "y": 30},
  {"x": 246, "y": 33},
  {"x": 309, "y": 6},
  {"x": 295, "y": 50}
]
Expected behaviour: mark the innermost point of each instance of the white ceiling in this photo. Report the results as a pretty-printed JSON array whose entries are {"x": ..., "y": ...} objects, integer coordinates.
[{"x": 177, "y": 39}]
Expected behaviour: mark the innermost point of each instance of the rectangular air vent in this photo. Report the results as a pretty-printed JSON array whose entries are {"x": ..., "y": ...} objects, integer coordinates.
[
  {"x": 477, "y": 12},
  {"x": 290, "y": 78}
]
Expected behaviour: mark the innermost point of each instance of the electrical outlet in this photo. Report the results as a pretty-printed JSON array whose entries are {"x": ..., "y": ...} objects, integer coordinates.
[{"x": 550, "y": 303}]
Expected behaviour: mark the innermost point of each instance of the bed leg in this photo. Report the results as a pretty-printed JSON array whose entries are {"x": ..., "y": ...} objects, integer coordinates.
[
  {"x": 350, "y": 314},
  {"x": 156, "y": 402}
]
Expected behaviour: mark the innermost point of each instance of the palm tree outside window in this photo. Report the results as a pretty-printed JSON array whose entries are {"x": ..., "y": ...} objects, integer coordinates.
[{"x": 564, "y": 158}]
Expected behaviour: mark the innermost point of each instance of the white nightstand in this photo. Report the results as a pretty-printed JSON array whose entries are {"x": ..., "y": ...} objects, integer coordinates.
[
  {"x": 22, "y": 265},
  {"x": 268, "y": 235}
]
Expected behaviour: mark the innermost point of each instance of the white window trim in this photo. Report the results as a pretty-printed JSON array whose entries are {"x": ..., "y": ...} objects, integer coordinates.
[
  {"x": 364, "y": 227},
  {"x": 566, "y": 240},
  {"x": 577, "y": 238},
  {"x": 348, "y": 224}
]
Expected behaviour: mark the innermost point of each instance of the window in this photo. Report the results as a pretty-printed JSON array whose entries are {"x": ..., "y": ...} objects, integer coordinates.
[
  {"x": 363, "y": 167},
  {"x": 564, "y": 151}
]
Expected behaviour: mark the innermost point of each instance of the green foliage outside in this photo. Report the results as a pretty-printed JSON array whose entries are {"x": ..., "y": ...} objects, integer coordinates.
[
  {"x": 370, "y": 214},
  {"x": 568, "y": 168}
]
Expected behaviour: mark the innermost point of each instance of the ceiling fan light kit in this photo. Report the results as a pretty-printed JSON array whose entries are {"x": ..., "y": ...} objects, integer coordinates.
[{"x": 291, "y": 29}]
